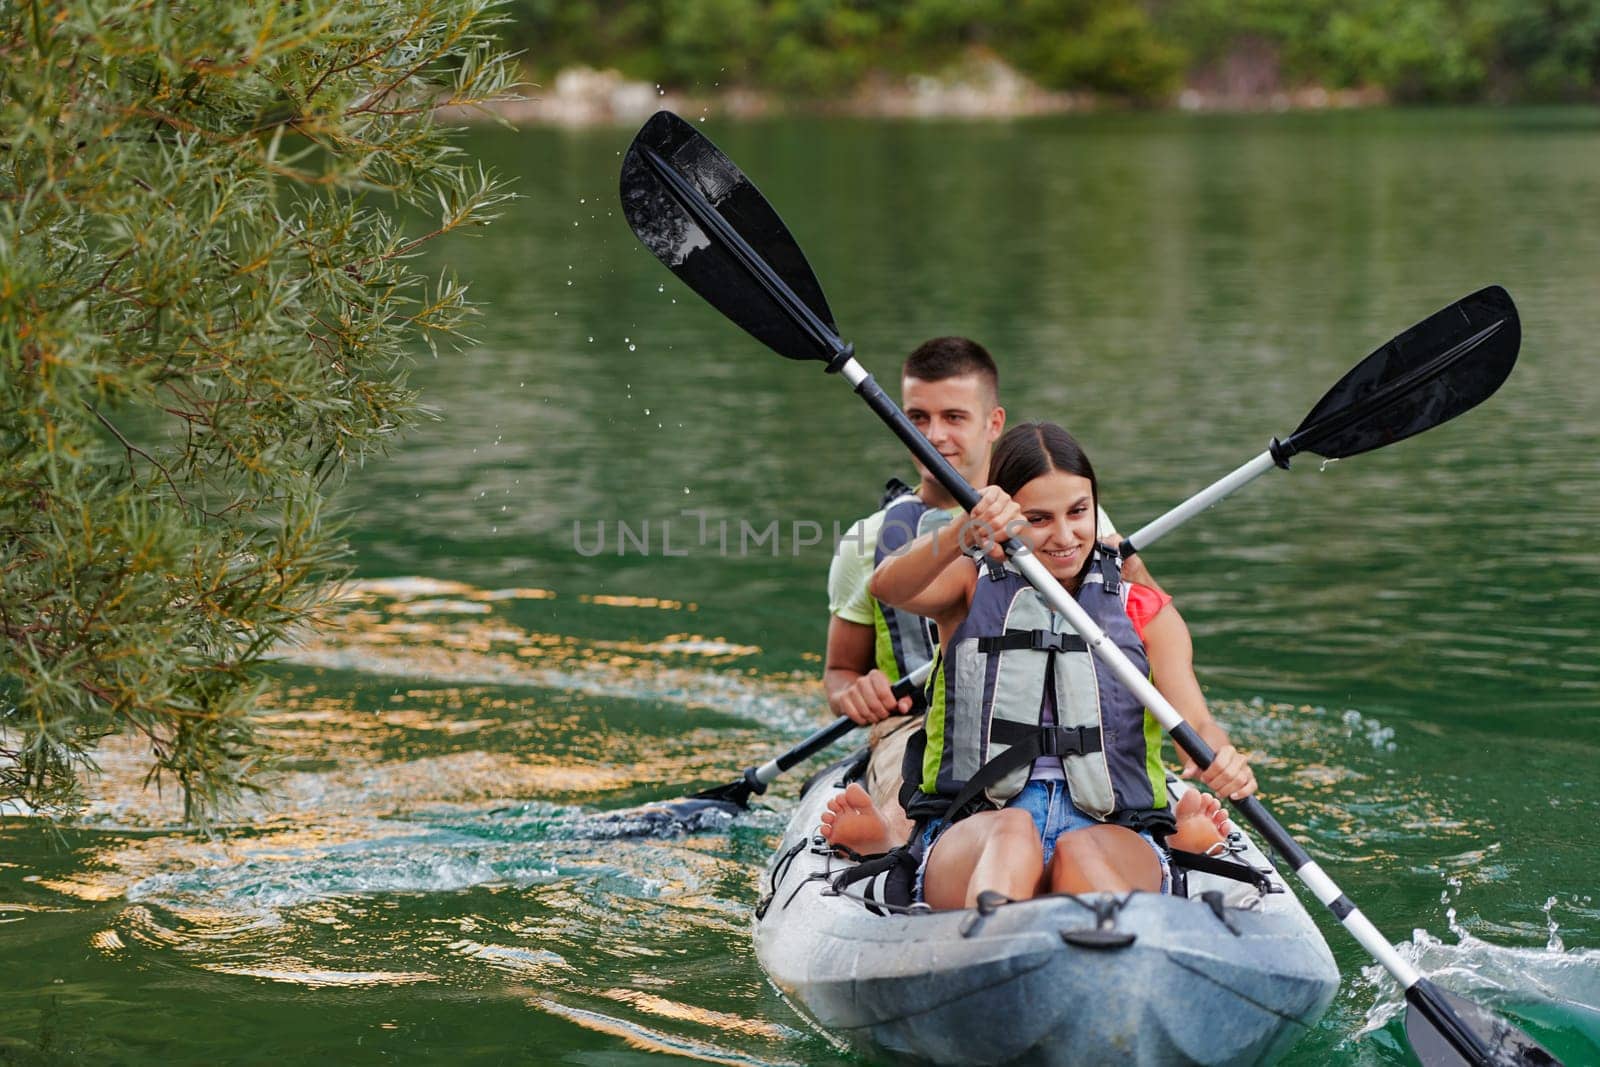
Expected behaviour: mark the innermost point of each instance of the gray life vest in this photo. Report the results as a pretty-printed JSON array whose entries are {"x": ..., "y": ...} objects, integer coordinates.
[
  {"x": 902, "y": 641},
  {"x": 984, "y": 720}
]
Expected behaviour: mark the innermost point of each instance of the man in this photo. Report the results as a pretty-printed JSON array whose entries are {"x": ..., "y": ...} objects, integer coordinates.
[{"x": 949, "y": 389}]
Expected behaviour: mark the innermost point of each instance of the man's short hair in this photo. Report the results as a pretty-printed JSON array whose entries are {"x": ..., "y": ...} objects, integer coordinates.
[{"x": 952, "y": 357}]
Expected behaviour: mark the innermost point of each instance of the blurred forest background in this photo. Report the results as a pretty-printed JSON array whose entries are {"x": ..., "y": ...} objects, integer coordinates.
[{"x": 1147, "y": 52}]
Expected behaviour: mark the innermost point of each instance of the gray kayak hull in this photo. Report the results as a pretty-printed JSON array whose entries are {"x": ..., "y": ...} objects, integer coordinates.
[{"x": 1009, "y": 987}]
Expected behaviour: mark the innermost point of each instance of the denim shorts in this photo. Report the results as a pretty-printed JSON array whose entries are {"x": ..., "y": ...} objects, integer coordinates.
[{"x": 1050, "y": 804}]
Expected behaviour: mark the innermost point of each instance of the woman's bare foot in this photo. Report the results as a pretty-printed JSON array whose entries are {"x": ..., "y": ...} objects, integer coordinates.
[
  {"x": 852, "y": 821},
  {"x": 1202, "y": 824}
]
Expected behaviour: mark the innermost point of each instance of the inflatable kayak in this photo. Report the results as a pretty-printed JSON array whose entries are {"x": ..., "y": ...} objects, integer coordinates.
[{"x": 1233, "y": 971}]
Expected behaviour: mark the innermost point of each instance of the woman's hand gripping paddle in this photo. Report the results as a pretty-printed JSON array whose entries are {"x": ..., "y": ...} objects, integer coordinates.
[{"x": 709, "y": 225}]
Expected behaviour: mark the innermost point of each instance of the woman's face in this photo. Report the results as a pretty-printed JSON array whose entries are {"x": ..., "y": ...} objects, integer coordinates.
[{"x": 1061, "y": 530}]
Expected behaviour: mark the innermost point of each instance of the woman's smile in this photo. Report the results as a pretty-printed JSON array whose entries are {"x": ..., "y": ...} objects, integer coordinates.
[{"x": 1060, "y": 510}]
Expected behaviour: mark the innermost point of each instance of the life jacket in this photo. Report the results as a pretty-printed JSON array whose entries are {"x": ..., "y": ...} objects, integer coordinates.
[
  {"x": 903, "y": 641},
  {"x": 984, "y": 727}
]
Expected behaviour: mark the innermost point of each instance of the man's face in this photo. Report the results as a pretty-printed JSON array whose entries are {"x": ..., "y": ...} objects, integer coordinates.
[{"x": 958, "y": 416}]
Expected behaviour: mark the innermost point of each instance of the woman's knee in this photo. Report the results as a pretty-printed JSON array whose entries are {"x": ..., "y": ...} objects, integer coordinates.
[
  {"x": 1014, "y": 834},
  {"x": 1104, "y": 858}
]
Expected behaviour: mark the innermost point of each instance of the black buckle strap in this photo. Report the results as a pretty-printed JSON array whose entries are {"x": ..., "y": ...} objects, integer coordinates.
[
  {"x": 1159, "y": 823},
  {"x": 873, "y": 865},
  {"x": 981, "y": 559},
  {"x": 1238, "y": 872},
  {"x": 1032, "y": 640},
  {"x": 1110, "y": 569},
  {"x": 1053, "y": 740},
  {"x": 1027, "y": 743},
  {"x": 893, "y": 490}
]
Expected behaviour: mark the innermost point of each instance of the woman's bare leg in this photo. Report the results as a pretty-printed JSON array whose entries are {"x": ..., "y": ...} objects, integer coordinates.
[
  {"x": 992, "y": 850},
  {"x": 1104, "y": 859}
]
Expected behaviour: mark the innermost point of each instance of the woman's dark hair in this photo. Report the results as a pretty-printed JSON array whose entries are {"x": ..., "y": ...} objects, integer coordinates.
[{"x": 1031, "y": 449}]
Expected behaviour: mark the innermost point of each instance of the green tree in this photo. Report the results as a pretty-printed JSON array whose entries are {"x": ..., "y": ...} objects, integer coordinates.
[
  {"x": 1109, "y": 46},
  {"x": 1541, "y": 49},
  {"x": 563, "y": 33},
  {"x": 207, "y": 298},
  {"x": 709, "y": 41},
  {"x": 1419, "y": 50}
]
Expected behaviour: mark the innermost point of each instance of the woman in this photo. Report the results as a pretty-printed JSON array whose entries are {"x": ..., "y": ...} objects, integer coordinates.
[{"x": 1040, "y": 772}]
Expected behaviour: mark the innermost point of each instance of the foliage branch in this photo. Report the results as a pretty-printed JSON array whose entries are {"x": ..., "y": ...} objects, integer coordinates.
[{"x": 210, "y": 218}]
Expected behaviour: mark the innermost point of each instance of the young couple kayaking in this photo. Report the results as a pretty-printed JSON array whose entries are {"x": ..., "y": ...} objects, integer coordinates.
[{"x": 1032, "y": 771}]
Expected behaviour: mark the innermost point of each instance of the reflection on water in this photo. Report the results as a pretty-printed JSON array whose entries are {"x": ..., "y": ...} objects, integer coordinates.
[
  {"x": 406, "y": 628},
  {"x": 1555, "y": 992},
  {"x": 439, "y": 830},
  {"x": 1402, "y": 641}
]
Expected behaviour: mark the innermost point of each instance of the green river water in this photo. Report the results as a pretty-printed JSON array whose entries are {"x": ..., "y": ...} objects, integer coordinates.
[{"x": 1409, "y": 641}]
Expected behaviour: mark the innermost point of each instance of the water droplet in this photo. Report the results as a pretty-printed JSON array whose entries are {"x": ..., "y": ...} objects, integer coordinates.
[
  {"x": 686, "y": 490},
  {"x": 591, "y": 340},
  {"x": 661, "y": 288},
  {"x": 633, "y": 348},
  {"x": 647, "y": 411},
  {"x": 581, "y": 200}
]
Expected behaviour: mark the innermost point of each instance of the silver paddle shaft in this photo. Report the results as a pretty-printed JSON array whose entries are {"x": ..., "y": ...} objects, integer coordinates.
[
  {"x": 769, "y": 771},
  {"x": 1152, "y": 532},
  {"x": 1305, "y": 868}
]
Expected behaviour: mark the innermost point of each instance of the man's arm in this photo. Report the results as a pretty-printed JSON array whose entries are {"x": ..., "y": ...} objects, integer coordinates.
[{"x": 856, "y": 689}]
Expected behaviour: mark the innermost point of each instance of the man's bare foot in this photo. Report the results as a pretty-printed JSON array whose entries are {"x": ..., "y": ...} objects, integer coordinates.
[
  {"x": 1202, "y": 824},
  {"x": 852, "y": 821}
]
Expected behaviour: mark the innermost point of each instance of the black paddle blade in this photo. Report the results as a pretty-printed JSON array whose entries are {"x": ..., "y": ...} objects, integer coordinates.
[
  {"x": 667, "y": 818},
  {"x": 697, "y": 213},
  {"x": 1449, "y": 1031},
  {"x": 1444, "y": 365},
  {"x": 737, "y": 793}
]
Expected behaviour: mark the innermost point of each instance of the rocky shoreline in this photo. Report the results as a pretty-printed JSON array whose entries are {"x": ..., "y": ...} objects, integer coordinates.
[{"x": 987, "y": 89}]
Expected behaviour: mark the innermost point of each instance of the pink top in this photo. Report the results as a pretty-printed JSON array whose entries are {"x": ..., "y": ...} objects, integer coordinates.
[{"x": 1144, "y": 604}]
